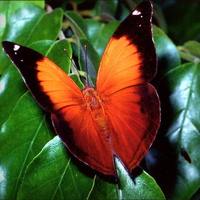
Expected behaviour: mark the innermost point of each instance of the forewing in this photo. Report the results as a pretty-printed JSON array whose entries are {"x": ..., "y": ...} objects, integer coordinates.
[
  {"x": 130, "y": 57},
  {"x": 52, "y": 88}
]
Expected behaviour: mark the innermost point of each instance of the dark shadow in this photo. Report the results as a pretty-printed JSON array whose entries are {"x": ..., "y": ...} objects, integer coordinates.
[
  {"x": 161, "y": 160},
  {"x": 136, "y": 172}
]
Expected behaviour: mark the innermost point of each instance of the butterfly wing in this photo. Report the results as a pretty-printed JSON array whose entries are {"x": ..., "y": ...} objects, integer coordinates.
[
  {"x": 130, "y": 57},
  {"x": 52, "y": 88},
  {"x": 82, "y": 138},
  {"x": 131, "y": 103},
  {"x": 56, "y": 93}
]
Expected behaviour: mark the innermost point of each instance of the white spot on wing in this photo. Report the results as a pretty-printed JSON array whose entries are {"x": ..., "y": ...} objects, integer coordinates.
[
  {"x": 16, "y": 47},
  {"x": 136, "y": 12}
]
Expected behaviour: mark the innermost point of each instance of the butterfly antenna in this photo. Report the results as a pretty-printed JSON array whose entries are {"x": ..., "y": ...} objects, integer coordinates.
[
  {"x": 86, "y": 64},
  {"x": 82, "y": 75},
  {"x": 73, "y": 67}
]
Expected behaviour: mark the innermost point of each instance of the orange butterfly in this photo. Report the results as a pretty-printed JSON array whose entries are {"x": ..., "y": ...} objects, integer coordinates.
[{"x": 121, "y": 116}]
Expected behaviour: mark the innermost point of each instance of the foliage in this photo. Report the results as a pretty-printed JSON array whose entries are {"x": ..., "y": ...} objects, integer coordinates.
[{"x": 34, "y": 164}]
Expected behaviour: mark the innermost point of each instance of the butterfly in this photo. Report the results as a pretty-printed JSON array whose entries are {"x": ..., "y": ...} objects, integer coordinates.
[{"x": 121, "y": 116}]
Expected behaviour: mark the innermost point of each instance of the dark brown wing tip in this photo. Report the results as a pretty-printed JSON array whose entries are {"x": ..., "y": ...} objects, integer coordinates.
[
  {"x": 21, "y": 56},
  {"x": 137, "y": 21},
  {"x": 7, "y": 47}
]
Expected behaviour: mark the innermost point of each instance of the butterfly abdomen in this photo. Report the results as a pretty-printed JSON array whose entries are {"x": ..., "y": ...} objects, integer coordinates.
[{"x": 96, "y": 106}]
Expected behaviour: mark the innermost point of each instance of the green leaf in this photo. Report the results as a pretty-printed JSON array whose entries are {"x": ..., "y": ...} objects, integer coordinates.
[
  {"x": 190, "y": 51},
  {"x": 93, "y": 29},
  {"x": 11, "y": 89},
  {"x": 168, "y": 55},
  {"x": 106, "y": 9},
  {"x": 131, "y": 188},
  {"x": 180, "y": 93},
  {"x": 23, "y": 135},
  {"x": 127, "y": 188},
  {"x": 77, "y": 80},
  {"x": 53, "y": 175},
  {"x": 100, "y": 35},
  {"x": 77, "y": 24},
  {"x": 89, "y": 59},
  {"x": 7, "y": 8},
  {"x": 30, "y": 22},
  {"x": 159, "y": 31},
  {"x": 183, "y": 21}
]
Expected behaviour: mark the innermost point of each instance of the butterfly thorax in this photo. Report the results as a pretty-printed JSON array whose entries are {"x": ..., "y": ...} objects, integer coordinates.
[{"x": 96, "y": 106}]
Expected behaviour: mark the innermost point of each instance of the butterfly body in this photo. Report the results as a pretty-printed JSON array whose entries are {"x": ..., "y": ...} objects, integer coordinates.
[
  {"x": 96, "y": 107},
  {"x": 121, "y": 116}
]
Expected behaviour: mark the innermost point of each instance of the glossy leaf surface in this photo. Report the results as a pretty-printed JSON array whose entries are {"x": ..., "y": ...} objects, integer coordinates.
[
  {"x": 20, "y": 142},
  {"x": 57, "y": 176},
  {"x": 181, "y": 86},
  {"x": 34, "y": 18},
  {"x": 54, "y": 175}
]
